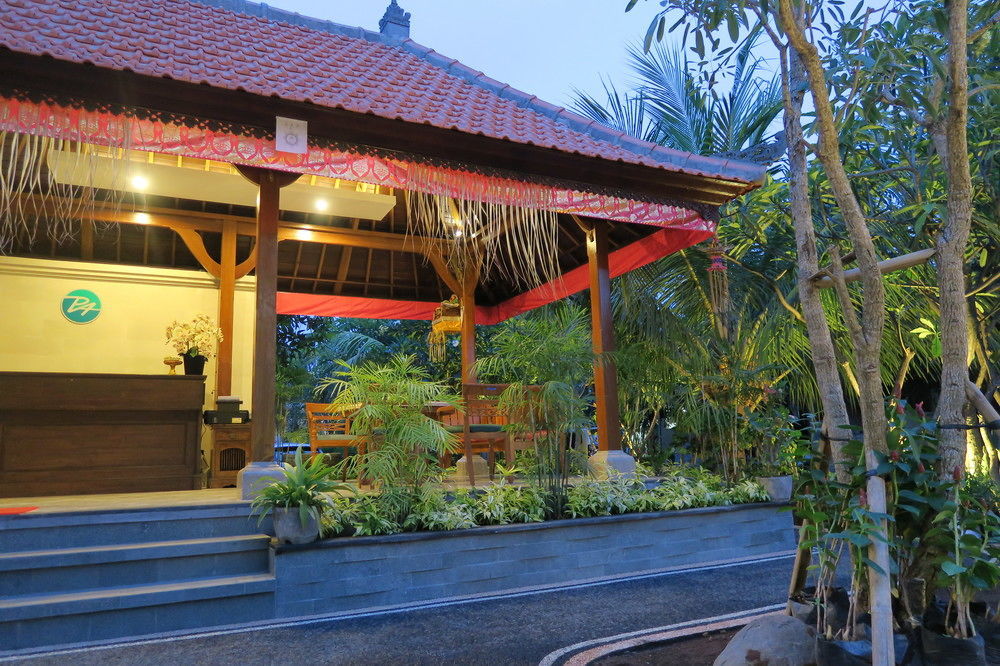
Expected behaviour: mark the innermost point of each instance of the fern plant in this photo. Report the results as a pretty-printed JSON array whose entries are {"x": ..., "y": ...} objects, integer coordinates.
[{"x": 404, "y": 443}]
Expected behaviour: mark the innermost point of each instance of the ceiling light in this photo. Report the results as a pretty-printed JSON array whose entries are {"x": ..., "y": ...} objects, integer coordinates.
[
  {"x": 140, "y": 182},
  {"x": 303, "y": 234},
  {"x": 321, "y": 205},
  {"x": 142, "y": 218}
]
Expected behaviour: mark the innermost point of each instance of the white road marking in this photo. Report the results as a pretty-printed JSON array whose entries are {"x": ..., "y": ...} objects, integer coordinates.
[{"x": 551, "y": 658}]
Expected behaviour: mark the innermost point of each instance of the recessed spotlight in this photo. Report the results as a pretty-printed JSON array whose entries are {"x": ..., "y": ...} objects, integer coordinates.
[
  {"x": 321, "y": 205},
  {"x": 142, "y": 218},
  {"x": 303, "y": 234},
  {"x": 140, "y": 182}
]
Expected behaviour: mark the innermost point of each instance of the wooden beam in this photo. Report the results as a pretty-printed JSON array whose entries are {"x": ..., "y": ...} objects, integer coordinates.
[
  {"x": 441, "y": 268},
  {"x": 247, "y": 264},
  {"x": 374, "y": 240},
  {"x": 86, "y": 239},
  {"x": 467, "y": 295},
  {"x": 345, "y": 260},
  {"x": 246, "y": 226},
  {"x": 266, "y": 325},
  {"x": 227, "y": 299},
  {"x": 602, "y": 330},
  {"x": 196, "y": 244},
  {"x": 886, "y": 266}
]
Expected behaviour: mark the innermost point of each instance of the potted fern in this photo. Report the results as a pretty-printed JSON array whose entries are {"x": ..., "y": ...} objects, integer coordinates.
[{"x": 297, "y": 501}]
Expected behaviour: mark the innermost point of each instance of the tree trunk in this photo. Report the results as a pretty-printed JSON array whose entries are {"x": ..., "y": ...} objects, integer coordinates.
[
  {"x": 951, "y": 245},
  {"x": 866, "y": 331},
  {"x": 823, "y": 352}
]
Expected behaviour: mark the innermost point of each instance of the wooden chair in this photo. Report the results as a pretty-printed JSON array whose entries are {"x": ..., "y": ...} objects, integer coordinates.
[
  {"x": 330, "y": 429},
  {"x": 480, "y": 423}
]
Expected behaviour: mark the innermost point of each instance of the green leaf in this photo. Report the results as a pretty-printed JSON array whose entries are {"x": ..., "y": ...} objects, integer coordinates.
[
  {"x": 630, "y": 5},
  {"x": 734, "y": 27},
  {"x": 951, "y": 568}
]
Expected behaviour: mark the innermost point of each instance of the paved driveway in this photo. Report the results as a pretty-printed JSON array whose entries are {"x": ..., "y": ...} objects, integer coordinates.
[{"x": 508, "y": 630}]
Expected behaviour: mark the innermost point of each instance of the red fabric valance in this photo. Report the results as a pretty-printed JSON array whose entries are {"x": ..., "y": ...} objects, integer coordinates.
[{"x": 129, "y": 131}]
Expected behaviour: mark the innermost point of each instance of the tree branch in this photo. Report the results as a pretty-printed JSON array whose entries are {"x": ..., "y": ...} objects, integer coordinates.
[{"x": 981, "y": 30}]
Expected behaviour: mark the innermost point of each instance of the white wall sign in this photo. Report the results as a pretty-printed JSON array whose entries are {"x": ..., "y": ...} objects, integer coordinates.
[{"x": 291, "y": 135}]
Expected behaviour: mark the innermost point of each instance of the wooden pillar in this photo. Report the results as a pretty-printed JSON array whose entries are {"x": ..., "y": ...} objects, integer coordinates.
[
  {"x": 269, "y": 184},
  {"x": 227, "y": 295},
  {"x": 266, "y": 325},
  {"x": 605, "y": 373},
  {"x": 468, "y": 300}
]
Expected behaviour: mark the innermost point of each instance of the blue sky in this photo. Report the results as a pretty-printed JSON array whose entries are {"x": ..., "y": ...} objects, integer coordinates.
[{"x": 544, "y": 47}]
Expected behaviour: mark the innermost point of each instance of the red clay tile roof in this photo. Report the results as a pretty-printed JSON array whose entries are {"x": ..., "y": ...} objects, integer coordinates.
[{"x": 302, "y": 59}]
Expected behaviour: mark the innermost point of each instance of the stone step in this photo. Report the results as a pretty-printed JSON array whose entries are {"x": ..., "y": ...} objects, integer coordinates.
[
  {"x": 100, "y": 614},
  {"x": 79, "y": 529},
  {"x": 67, "y": 570}
]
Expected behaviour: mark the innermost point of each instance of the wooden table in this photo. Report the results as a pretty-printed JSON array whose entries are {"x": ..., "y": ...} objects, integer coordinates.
[{"x": 77, "y": 433}]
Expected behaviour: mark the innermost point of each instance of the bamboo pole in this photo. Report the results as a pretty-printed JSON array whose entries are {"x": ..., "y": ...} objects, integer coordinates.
[{"x": 823, "y": 280}]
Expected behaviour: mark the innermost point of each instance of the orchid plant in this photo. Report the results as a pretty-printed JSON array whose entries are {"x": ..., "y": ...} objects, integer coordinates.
[{"x": 194, "y": 338}]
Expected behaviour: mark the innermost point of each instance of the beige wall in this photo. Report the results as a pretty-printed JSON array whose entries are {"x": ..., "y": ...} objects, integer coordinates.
[{"x": 129, "y": 336}]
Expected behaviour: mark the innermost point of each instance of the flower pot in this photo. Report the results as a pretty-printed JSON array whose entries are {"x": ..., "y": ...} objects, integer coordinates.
[
  {"x": 288, "y": 527},
  {"x": 940, "y": 650},
  {"x": 779, "y": 488},
  {"x": 194, "y": 365}
]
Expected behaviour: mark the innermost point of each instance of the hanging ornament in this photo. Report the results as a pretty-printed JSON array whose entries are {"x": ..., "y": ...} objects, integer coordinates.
[
  {"x": 447, "y": 319},
  {"x": 718, "y": 285}
]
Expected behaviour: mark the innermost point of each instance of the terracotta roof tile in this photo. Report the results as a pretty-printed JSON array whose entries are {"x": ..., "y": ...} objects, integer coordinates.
[{"x": 266, "y": 51}]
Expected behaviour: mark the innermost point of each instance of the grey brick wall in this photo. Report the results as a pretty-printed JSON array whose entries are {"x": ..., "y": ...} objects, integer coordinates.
[{"x": 361, "y": 572}]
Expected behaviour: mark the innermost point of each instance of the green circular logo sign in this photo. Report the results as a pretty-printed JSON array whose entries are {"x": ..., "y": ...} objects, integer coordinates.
[{"x": 81, "y": 306}]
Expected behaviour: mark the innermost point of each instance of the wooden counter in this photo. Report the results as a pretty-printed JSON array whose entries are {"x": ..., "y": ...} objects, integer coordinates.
[{"x": 72, "y": 433}]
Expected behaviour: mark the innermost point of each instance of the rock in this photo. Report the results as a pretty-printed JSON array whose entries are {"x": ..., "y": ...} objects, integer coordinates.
[{"x": 772, "y": 640}]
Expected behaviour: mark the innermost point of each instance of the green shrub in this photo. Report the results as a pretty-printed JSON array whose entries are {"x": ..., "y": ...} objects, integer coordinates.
[
  {"x": 502, "y": 503},
  {"x": 527, "y": 461},
  {"x": 433, "y": 511},
  {"x": 747, "y": 491},
  {"x": 368, "y": 517},
  {"x": 606, "y": 498}
]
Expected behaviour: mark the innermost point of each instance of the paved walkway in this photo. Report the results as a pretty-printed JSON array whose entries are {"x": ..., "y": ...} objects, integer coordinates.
[{"x": 520, "y": 629}]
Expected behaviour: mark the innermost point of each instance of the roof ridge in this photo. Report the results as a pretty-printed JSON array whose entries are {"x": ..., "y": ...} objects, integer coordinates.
[
  {"x": 575, "y": 121},
  {"x": 268, "y": 13}
]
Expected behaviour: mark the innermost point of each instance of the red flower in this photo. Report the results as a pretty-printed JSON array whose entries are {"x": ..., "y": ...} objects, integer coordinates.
[
  {"x": 894, "y": 455},
  {"x": 921, "y": 468},
  {"x": 956, "y": 474},
  {"x": 920, "y": 409},
  {"x": 899, "y": 408}
]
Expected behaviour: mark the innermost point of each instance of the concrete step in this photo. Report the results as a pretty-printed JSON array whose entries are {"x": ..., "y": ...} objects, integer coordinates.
[
  {"x": 80, "y": 529},
  {"x": 67, "y": 570},
  {"x": 100, "y": 614}
]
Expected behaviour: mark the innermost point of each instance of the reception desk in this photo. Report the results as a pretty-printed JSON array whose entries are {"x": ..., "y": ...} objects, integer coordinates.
[{"x": 72, "y": 433}]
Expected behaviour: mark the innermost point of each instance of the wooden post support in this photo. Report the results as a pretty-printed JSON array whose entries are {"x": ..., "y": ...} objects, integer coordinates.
[
  {"x": 227, "y": 296},
  {"x": 269, "y": 184},
  {"x": 605, "y": 373},
  {"x": 468, "y": 300}
]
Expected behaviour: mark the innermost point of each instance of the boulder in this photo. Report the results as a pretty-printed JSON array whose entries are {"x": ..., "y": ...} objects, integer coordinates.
[{"x": 772, "y": 640}]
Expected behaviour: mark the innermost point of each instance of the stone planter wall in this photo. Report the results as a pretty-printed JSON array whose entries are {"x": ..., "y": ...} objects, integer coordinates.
[{"x": 363, "y": 572}]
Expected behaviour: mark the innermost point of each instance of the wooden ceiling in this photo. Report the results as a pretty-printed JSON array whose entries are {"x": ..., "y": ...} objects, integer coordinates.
[{"x": 319, "y": 254}]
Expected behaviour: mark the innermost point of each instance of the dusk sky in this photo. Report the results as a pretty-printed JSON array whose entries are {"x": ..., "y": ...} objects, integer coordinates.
[{"x": 544, "y": 47}]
